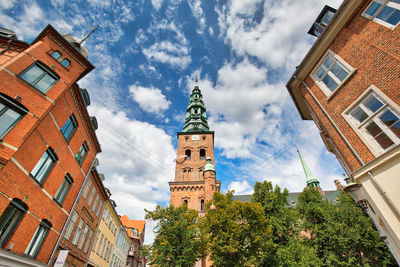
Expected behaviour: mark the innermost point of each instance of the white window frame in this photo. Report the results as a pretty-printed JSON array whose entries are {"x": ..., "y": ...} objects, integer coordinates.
[
  {"x": 384, "y": 4},
  {"x": 359, "y": 128},
  {"x": 321, "y": 84}
]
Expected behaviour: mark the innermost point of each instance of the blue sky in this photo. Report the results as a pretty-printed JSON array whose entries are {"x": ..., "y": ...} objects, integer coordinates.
[{"x": 147, "y": 54}]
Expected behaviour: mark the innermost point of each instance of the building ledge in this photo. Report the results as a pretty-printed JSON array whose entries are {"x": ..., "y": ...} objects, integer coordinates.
[{"x": 8, "y": 258}]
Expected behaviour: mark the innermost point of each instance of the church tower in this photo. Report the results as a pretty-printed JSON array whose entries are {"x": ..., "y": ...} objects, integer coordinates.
[{"x": 195, "y": 181}]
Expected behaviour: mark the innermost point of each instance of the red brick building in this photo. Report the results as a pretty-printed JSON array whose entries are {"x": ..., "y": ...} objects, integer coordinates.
[
  {"x": 81, "y": 230},
  {"x": 47, "y": 142},
  {"x": 349, "y": 84}
]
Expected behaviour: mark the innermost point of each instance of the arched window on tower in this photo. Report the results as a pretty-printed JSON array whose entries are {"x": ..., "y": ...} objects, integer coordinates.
[
  {"x": 188, "y": 154},
  {"x": 202, "y": 154}
]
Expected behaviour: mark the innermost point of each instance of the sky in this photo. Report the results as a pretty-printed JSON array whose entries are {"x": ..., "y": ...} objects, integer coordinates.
[{"x": 147, "y": 55}]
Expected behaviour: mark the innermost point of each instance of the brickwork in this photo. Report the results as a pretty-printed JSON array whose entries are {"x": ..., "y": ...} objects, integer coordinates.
[
  {"x": 374, "y": 51},
  {"x": 27, "y": 141}
]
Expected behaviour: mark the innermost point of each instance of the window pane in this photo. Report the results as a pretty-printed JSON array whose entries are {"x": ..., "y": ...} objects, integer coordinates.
[
  {"x": 394, "y": 18},
  {"x": 359, "y": 114},
  {"x": 385, "y": 13},
  {"x": 328, "y": 61},
  {"x": 396, "y": 129},
  {"x": 388, "y": 118},
  {"x": 373, "y": 129},
  {"x": 373, "y": 8},
  {"x": 32, "y": 74},
  {"x": 56, "y": 55},
  {"x": 339, "y": 72},
  {"x": 65, "y": 62},
  {"x": 7, "y": 119},
  {"x": 330, "y": 82},
  {"x": 320, "y": 72},
  {"x": 372, "y": 103},
  {"x": 383, "y": 140},
  {"x": 8, "y": 221},
  {"x": 44, "y": 83}
]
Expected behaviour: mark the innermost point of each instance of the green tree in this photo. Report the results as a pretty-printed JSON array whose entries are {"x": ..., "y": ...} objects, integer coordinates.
[
  {"x": 341, "y": 234},
  {"x": 237, "y": 232},
  {"x": 178, "y": 240}
]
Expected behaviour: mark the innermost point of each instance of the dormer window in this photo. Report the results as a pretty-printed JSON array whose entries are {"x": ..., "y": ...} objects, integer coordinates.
[
  {"x": 65, "y": 62},
  {"x": 56, "y": 55},
  {"x": 322, "y": 21}
]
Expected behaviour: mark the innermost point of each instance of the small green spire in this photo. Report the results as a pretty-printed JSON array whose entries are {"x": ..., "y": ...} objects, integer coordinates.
[
  {"x": 209, "y": 166},
  {"x": 196, "y": 115},
  {"x": 310, "y": 179}
]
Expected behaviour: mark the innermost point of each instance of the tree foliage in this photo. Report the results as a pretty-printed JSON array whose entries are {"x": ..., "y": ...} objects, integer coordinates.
[
  {"x": 178, "y": 239},
  {"x": 269, "y": 232},
  {"x": 237, "y": 232}
]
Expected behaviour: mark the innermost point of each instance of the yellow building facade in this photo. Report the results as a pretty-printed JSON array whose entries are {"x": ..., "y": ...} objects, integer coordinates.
[{"x": 106, "y": 237}]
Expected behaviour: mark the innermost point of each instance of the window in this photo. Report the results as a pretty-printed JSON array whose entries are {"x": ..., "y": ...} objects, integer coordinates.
[
  {"x": 331, "y": 73},
  {"x": 87, "y": 187},
  {"x": 38, "y": 238},
  {"x": 10, "y": 219},
  {"x": 63, "y": 189},
  {"x": 384, "y": 12},
  {"x": 375, "y": 119},
  {"x": 88, "y": 241},
  {"x": 99, "y": 209},
  {"x": 202, "y": 204},
  {"x": 188, "y": 154},
  {"x": 69, "y": 127},
  {"x": 11, "y": 113},
  {"x": 65, "y": 62},
  {"x": 71, "y": 225},
  {"x": 95, "y": 203},
  {"x": 202, "y": 154},
  {"x": 91, "y": 196},
  {"x": 96, "y": 238},
  {"x": 100, "y": 243},
  {"x": 78, "y": 232},
  {"x": 40, "y": 77},
  {"x": 83, "y": 237},
  {"x": 56, "y": 55},
  {"x": 44, "y": 165},
  {"x": 80, "y": 156},
  {"x": 104, "y": 246}
]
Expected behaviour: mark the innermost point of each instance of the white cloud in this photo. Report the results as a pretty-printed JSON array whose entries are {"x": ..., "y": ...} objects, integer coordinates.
[
  {"x": 198, "y": 13},
  {"x": 6, "y": 4},
  {"x": 137, "y": 161},
  {"x": 237, "y": 106},
  {"x": 241, "y": 187},
  {"x": 150, "y": 99},
  {"x": 173, "y": 54},
  {"x": 279, "y": 37},
  {"x": 157, "y": 4}
]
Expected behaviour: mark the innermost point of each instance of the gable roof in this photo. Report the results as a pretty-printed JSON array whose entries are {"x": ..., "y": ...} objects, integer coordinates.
[{"x": 137, "y": 224}]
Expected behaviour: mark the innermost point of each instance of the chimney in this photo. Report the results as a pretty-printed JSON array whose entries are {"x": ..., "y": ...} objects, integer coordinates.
[{"x": 338, "y": 185}]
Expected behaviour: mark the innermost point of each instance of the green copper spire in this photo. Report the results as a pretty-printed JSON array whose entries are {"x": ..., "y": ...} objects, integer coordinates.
[
  {"x": 196, "y": 116},
  {"x": 310, "y": 179}
]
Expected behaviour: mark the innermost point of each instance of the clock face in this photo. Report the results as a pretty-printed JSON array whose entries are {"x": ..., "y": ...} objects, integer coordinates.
[{"x": 195, "y": 137}]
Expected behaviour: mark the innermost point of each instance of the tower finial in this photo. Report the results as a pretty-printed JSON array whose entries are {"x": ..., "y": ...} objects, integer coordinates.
[
  {"x": 197, "y": 81},
  {"x": 87, "y": 36}
]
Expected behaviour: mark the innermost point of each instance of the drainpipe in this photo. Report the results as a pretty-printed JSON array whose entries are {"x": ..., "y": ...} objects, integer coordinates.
[
  {"x": 8, "y": 44},
  {"x": 94, "y": 164},
  {"x": 332, "y": 122}
]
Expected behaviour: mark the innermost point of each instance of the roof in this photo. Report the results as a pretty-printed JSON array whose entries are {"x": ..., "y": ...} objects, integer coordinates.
[
  {"x": 329, "y": 195},
  {"x": 137, "y": 224}
]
